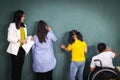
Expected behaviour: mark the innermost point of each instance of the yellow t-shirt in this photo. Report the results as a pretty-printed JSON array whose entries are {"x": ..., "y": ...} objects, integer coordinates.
[
  {"x": 77, "y": 49},
  {"x": 22, "y": 34}
]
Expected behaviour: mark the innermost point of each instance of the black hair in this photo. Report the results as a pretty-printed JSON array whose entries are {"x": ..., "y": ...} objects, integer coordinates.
[
  {"x": 101, "y": 47},
  {"x": 17, "y": 18},
  {"x": 42, "y": 31},
  {"x": 72, "y": 33}
]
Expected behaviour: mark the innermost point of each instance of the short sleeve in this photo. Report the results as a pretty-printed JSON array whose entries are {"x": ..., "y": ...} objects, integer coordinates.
[
  {"x": 52, "y": 36},
  {"x": 85, "y": 44},
  {"x": 92, "y": 65},
  {"x": 112, "y": 54},
  {"x": 69, "y": 47}
]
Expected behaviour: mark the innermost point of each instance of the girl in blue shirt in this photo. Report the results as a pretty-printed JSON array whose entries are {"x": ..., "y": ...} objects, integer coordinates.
[{"x": 43, "y": 54}]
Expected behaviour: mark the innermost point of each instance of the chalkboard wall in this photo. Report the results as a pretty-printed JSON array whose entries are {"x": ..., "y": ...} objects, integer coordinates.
[{"x": 97, "y": 20}]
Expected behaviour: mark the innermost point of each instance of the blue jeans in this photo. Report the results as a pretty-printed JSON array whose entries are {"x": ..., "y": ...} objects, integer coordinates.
[{"x": 77, "y": 67}]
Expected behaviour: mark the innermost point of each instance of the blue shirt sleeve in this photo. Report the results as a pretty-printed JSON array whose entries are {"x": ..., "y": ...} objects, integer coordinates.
[
  {"x": 33, "y": 47},
  {"x": 52, "y": 36},
  {"x": 35, "y": 39}
]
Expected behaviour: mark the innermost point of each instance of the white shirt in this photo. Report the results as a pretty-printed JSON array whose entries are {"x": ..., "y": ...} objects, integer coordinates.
[{"x": 105, "y": 58}]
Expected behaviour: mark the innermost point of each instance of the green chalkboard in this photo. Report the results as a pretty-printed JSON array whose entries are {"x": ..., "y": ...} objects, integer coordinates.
[{"x": 97, "y": 20}]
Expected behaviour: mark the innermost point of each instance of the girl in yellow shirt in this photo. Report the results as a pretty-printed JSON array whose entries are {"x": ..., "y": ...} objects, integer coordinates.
[{"x": 78, "y": 47}]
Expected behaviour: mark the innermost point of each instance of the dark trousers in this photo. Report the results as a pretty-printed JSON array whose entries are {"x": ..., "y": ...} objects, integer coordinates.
[
  {"x": 45, "y": 76},
  {"x": 17, "y": 64}
]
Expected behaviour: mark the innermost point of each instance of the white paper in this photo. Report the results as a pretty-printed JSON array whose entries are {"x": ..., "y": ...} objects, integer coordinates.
[{"x": 28, "y": 45}]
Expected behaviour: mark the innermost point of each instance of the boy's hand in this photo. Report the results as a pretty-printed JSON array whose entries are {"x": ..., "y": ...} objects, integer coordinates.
[{"x": 107, "y": 49}]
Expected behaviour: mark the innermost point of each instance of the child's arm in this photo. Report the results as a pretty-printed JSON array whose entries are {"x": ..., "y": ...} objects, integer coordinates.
[
  {"x": 108, "y": 49},
  {"x": 64, "y": 47},
  {"x": 51, "y": 34},
  {"x": 92, "y": 65},
  {"x": 115, "y": 54},
  {"x": 91, "y": 69},
  {"x": 85, "y": 50}
]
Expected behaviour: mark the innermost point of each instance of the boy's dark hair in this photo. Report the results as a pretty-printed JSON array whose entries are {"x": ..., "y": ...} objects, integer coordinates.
[
  {"x": 101, "y": 47},
  {"x": 72, "y": 33}
]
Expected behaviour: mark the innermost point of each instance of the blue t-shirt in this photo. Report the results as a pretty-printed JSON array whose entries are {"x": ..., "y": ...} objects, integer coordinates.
[{"x": 43, "y": 54}]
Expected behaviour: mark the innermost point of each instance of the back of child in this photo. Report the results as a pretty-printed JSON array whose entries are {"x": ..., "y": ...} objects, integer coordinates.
[
  {"x": 106, "y": 57},
  {"x": 78, "y": 47}
]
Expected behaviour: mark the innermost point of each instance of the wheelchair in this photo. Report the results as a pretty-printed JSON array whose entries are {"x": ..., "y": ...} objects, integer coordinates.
[{"x": 102, "y": 73}]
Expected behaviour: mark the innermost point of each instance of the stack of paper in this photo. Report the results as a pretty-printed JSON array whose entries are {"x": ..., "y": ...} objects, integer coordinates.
[{"x": 28, "y": 45}]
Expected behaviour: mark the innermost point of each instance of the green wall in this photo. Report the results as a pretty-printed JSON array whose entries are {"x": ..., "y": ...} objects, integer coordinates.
[{"x": 97, "y": 20}]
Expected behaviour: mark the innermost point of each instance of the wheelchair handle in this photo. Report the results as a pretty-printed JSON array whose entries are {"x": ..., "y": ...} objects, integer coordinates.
[{"x": 98, "y": 61}]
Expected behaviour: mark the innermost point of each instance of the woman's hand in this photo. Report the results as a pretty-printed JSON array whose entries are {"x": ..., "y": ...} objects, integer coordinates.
[
  {"x": 22, "y": 41},
  {"x": 48, "y": 28},
  {"x": 25, "y": 41},
  {"x": 32, "y": 38}
]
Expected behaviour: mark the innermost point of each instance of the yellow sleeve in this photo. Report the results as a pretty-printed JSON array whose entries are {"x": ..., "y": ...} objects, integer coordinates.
[
  {"x": 85, "y": 44},
  {"x": 69, "y": 47}
]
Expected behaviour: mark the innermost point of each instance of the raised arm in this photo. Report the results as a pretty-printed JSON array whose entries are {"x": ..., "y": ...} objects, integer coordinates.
[
  {"x": 52, "y": 35},
  {"x": 64, "y": 47}
]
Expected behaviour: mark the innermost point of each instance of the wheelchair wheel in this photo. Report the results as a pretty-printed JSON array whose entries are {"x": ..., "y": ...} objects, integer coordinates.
[
  {"x": 104, "y": 74},
  {"x": 89, "y": 76}
]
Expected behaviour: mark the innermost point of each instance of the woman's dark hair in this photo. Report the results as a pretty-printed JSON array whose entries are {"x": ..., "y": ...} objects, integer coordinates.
[
  {"x": 101, "y": 47},
  {"x": 17, "y": 19},
  {"x": 42, "y": 31},
  {"x": 72, "y": 33}
]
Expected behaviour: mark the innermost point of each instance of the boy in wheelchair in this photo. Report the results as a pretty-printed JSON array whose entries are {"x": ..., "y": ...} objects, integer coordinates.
[{"x": 104, "y": 61}]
